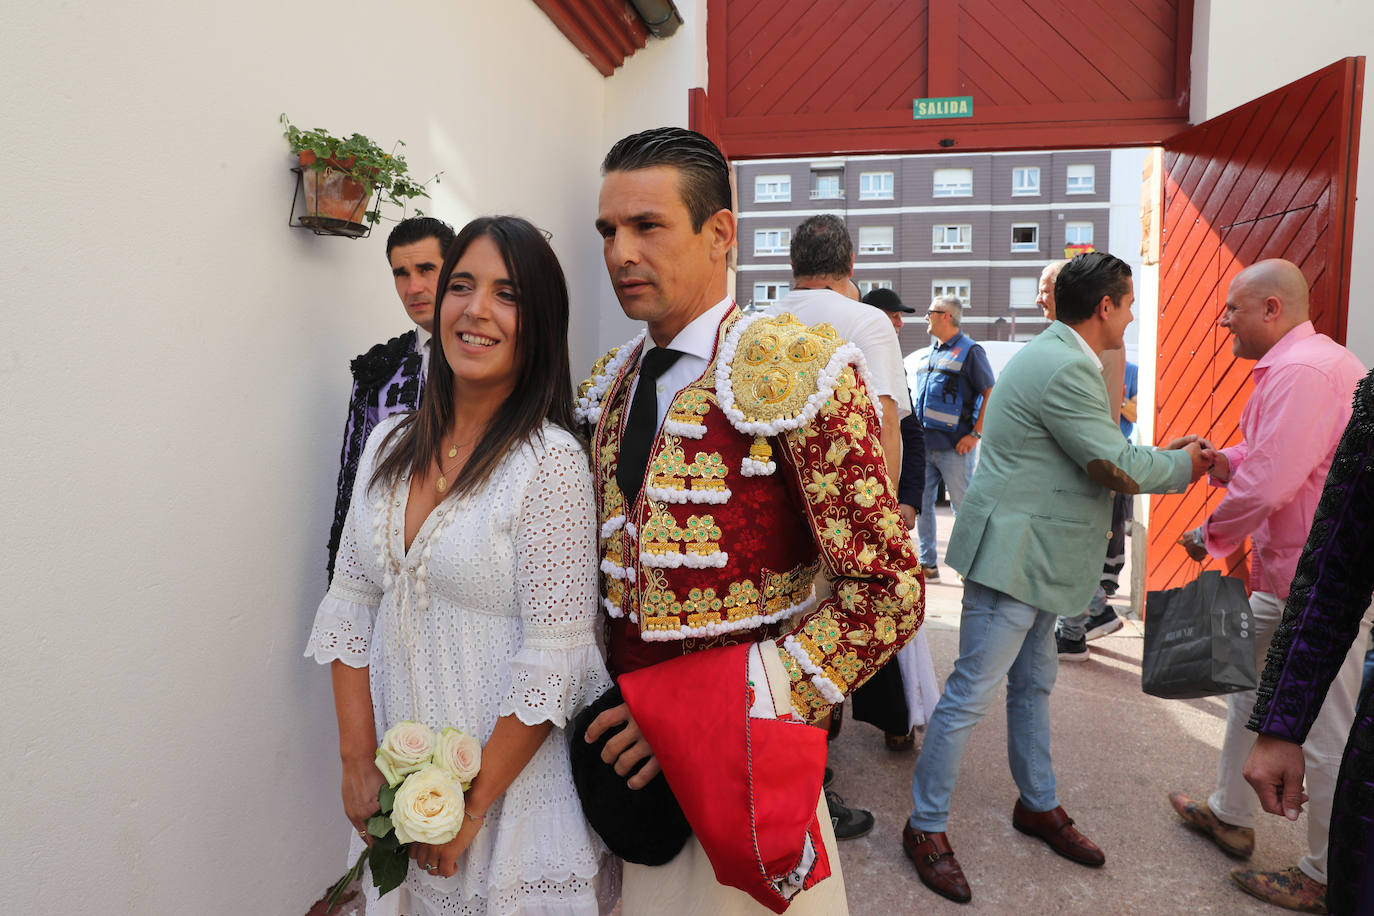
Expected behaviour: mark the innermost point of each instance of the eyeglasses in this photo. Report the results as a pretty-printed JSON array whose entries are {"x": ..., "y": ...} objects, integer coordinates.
[{"x": 936, "y": 312}]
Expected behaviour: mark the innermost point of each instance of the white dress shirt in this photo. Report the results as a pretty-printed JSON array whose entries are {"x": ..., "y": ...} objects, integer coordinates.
[{"x": 695, "y": 342}]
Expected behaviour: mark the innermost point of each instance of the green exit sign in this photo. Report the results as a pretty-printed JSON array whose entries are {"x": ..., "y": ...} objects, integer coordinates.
[{"x": 955, "y": 106}]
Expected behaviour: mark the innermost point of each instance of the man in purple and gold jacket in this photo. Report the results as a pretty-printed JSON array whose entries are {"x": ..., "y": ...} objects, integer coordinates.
[{"x": 388, "y": 378}]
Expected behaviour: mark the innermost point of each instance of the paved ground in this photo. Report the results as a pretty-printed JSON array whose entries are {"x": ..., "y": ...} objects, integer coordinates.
[{"x": 1117, "y": 752}]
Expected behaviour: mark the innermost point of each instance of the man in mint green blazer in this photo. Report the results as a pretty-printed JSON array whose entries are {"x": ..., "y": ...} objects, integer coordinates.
[{"x": 1030, "y": 539}]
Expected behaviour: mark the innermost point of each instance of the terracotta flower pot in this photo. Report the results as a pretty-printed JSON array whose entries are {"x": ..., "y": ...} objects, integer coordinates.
[{"x": 332, "y": 192}]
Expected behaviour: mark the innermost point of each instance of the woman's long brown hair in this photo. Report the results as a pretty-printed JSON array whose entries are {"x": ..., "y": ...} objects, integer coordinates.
[{"x": 543, "y": 390}]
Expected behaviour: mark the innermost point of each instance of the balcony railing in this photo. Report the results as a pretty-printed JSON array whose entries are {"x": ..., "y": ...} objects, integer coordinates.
[{"x": 827, "y": 193}]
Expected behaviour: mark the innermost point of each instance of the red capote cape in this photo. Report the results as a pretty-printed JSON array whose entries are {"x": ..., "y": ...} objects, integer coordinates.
[{"x": 748, "y": 786}]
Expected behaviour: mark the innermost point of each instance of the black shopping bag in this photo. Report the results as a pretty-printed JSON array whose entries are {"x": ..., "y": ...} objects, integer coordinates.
[{"x": 1199, "y": 639}]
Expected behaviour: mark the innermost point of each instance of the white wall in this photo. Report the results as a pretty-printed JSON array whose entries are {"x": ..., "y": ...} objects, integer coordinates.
[
  {"x": 1123, "y": 228},
  {"x": 1245, "y": 48},
  {"x": 174, "y": 362}
]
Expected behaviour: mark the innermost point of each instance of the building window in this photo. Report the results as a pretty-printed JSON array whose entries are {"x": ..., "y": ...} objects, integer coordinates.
[
  {"x": 772, "y": 188},
  {"x": 1078, "y": 233},
  {"x": 1081, "y": 179},
  {"x": 1025, "y": 182},
  {"x": 826, "y": 186},
  {"x": 875, "y": 186},
  {"x": 1023, "y": 292},
  {"x": 956, "y": 288},
  {"x": 952, "y": 238},
  {"x": 954, "y": 182},
  {"x": 765, "y": 294},
  {"x": 772, "y": 241},
  {"x": 875, "y": 240},
  {"x": 1025, "y": 236},
  {"x": 868, "y": 286}
]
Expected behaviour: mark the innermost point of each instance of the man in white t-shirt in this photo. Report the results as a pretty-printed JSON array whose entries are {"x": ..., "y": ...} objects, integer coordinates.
[{"x": 822, "y": 261}]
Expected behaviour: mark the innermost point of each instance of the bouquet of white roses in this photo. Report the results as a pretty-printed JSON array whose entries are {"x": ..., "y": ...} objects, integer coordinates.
[{"x": 421, "y": 801}]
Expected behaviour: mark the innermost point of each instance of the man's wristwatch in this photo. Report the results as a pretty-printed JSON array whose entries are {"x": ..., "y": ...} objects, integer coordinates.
[{"x": 976, "y": 434}]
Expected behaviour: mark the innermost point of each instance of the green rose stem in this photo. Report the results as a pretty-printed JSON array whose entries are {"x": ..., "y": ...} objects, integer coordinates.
[{"x": 386, "y": 855}]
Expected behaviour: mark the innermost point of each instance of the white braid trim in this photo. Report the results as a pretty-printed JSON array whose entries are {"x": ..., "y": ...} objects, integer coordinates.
[
  {"x": 698, "y": 497},
  {"x": 752, "y": 467},
  {"x": 730, "y": 626},
  {"x": 588, "y": 407},
  {"x": 686, "y": 430},
  {"x": 827, "y": 378},
  {"x": 690, "y": 560},
  {"x": 824, "y": 685},
  {"x": 616, "y": 571},
  {"x": 612, "y": 525},
  {"x": 612, "y": 610},
  {"x": 631, "y": 531}
]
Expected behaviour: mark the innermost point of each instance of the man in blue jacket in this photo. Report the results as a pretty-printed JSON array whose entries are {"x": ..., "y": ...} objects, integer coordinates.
[
  {"x": 1030, "y": 540},
  {"x": 953, "y": 381}
]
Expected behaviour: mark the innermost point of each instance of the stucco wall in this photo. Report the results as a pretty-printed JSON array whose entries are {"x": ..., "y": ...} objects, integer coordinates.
[
  {"x": 174, "y": 361},
  {"x": 1243, "y": 49}
]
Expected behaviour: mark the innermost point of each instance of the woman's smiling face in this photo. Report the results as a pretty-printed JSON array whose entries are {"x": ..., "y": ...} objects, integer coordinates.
[{"x": 479, "y": 318}]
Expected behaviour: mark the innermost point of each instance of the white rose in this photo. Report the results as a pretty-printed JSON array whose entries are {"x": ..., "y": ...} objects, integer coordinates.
[
  {"x": 460, "y": 754},
  {"x": 429, "y": 807},
  {"x": 406, "y": 747}
]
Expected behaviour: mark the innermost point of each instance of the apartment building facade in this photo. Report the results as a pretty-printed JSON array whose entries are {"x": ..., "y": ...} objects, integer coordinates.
[{"x": 979, "y": 226}]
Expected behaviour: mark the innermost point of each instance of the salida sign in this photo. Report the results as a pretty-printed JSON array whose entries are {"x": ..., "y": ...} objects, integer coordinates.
[{"x": 956, "y": 106}]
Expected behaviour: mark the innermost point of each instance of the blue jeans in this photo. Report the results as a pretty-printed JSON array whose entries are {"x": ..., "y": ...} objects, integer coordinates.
[
  {"x": 955, "y": 470},
  {"x": 1075, "y": 628},
  {"x": 998, "y": 636}
]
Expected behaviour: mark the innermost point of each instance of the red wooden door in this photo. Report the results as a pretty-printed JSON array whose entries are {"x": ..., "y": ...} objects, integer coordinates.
[{"x": 1274, "y": 178}]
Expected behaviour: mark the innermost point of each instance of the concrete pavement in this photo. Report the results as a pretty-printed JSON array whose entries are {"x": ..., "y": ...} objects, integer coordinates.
[{"x": 1117, "y": 754}]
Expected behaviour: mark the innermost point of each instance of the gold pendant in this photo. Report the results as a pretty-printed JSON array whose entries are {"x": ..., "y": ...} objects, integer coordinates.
[
  {"x": 453, "y": 452},
  {"x": 441, "y": 484}
]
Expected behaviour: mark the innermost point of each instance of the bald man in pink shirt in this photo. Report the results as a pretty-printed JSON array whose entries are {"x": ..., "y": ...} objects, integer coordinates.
[{"x": 1304, "y": 383}]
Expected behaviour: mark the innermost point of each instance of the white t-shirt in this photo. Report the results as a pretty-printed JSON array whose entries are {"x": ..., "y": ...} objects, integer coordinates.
[{"x": 863, "y": 325}]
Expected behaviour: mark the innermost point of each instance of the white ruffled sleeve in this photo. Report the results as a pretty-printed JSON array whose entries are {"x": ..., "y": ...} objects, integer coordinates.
[
  {"x": 343, "y": 621},
  {"x": 559, "y": 668}
]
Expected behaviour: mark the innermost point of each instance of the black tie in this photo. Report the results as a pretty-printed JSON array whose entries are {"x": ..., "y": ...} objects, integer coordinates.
[{"x": 642, "y": 424}]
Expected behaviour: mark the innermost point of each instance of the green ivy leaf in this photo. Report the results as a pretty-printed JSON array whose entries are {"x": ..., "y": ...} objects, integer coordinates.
[{"x": 379, "y": 825}]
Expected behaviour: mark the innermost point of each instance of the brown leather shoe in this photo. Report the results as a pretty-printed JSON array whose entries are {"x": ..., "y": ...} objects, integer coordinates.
[
  {"x": 1233, "y": 840},
  {"x": 935, "y": 864},
  {"x": 1056, "y": 829}
]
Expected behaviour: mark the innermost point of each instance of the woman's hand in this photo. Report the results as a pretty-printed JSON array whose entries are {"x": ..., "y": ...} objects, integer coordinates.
[
  {"x": 361, "y": 782},
  {"x": 442, "y": 861}
]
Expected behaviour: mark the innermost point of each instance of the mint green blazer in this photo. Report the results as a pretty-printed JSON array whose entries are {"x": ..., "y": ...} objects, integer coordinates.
[{"x": 1037, "y": 515}]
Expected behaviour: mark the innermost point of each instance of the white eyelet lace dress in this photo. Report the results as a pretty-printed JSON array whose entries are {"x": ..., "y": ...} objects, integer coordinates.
[{"x": 491, "y": 612}]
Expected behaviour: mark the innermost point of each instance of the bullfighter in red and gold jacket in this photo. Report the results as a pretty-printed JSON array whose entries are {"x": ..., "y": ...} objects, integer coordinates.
[
  {"x": 762, "y": 472},
  {"x": 767, "y": 471}
]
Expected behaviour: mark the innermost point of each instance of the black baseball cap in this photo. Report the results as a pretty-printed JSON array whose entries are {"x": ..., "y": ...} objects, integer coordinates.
[{"x": 887, "y": 300}]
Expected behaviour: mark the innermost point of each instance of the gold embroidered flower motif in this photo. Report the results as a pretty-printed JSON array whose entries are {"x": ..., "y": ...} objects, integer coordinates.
[
  {"x": 890, "y": 523},
  {"x": 849, "y": 595},
  {"x": 849, "y": 667},
  {"x": 886, "y": 604},
  {"x": 844, "y": 388},
  {"x": 837, "y": 531},
  {"x": 867, "y": 490},
  {"x": 908, "y": 590},
  {"x": 823, "y": 633},
  {"x": 700, "y": 529},
  {"x": 701, "y": 601},
  {"x": 660, "y": 603},
  {"x": 866, "y": 556},
  {"x": 885, "y": 629},
  {"x": 856, "y": 426},
  {"x": 822, "y": 485},
  {"x": 742, "y": 594},
  {"x": 838, "y": 449}
]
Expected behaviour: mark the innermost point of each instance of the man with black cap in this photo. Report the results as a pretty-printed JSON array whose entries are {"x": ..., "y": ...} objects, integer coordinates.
[{"x": 912, "y": 483}]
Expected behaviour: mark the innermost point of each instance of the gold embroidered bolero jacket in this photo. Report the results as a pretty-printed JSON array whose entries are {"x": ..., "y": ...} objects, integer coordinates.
[{"x": 767, "y": 469}]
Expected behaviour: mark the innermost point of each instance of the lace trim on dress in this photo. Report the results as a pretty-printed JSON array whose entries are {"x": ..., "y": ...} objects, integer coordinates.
[
  {"x": 342, "y": 631},
  {"x": 554, "y": 685}
]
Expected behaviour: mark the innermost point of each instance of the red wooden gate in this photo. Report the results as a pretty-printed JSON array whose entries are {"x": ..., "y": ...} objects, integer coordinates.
[
  {"x": 1274, "y": 178},
  {"x": 819, "y": 77}
]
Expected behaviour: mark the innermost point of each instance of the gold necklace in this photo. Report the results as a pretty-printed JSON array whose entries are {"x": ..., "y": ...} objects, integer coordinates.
[{"x": 442, "y": 483}]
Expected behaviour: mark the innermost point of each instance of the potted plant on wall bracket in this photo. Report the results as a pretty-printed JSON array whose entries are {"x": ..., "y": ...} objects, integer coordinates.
[{"x": 346, "y": 181}]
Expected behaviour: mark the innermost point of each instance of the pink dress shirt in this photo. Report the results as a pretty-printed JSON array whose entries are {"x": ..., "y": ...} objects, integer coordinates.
[{"x": 1299, "y": 408}]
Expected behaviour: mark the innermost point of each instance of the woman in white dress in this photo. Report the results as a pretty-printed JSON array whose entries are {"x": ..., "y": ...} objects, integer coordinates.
[{"x": 465, "y": 591}]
